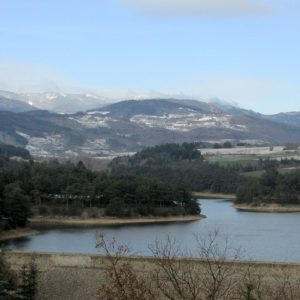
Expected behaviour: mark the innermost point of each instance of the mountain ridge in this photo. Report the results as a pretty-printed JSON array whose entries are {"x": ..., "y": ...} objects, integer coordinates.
[
  {"x": 9, "y": 104},
  {"x": 129, "y": 126},
  {"x": 58, "y": 102}
]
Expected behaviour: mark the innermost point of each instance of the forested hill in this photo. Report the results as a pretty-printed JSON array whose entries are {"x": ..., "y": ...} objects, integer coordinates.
[
  {"x": 8, "y": 151},
  {"x": 271, "y": 187},
  {"x": 179, "y": 164},
  {"x": 56, "y": 189},
  {"x": 166, "y": 153}
]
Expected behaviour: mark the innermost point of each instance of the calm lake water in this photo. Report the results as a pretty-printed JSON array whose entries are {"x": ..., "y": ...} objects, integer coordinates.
[{"x": 261, "y": 236}]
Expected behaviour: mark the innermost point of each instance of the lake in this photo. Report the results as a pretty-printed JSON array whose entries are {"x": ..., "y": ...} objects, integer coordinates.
[{"x": 261, "y": 236}]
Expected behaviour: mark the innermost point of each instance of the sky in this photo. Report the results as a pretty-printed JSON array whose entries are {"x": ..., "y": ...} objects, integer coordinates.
[{"x": 245, "y": 52}]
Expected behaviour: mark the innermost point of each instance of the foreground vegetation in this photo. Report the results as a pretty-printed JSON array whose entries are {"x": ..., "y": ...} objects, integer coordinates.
[
  {"x": 212, "y": 271},
  {"x": 208, "y": 274},
  {"x": 17, "y": 286}
]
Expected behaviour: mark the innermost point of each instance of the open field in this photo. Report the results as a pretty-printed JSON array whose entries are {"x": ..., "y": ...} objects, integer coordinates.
[
  {"x": 78, "y": 277},
  {"x": 261, "y": 172},
  {"x": 247, "y": 155},
  {"x": 244, "y": 151}
]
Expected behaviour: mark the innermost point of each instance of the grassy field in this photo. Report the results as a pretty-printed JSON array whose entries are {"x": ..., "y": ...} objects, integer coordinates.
[
  {"x": 254, "y": 173},
  {"x": 249, "y": 156},
  {"x": 226, "y": 160},
  {"x": 260, "y": 172},
  {"x": 229, "y": 159}
]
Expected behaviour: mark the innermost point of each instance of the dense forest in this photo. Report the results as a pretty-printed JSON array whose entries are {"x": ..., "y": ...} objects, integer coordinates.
[
  {"x": 56, "y": 189},
  {"x": 271, "y": 187},
  {"x": 179, "y": 164},
  {"x": 156, "y": 181},
  {"x": 184, "y": 164}
]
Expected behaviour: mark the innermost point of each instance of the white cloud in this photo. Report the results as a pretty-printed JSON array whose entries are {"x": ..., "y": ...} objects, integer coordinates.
[{"x": 213, "y": 7}]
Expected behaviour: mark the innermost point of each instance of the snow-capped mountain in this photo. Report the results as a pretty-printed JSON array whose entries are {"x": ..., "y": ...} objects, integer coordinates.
[{"x": 58, "y": 102}]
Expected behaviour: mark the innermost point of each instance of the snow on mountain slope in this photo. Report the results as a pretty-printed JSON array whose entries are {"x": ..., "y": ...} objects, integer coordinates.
[
  {"x": 187, "y": 122},
  {"x": 59, "y": 102},
  {"x": 63, "y": 102},
  {"x": 128, "y": 126},
  {"x": 92, "y": 121}
]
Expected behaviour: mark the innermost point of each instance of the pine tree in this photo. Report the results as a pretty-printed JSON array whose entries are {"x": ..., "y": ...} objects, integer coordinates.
[{"x": 27, "y": 290}]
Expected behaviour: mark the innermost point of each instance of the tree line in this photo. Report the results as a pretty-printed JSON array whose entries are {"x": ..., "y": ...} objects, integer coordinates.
[
  {"x": 67, "y": 189},
  {"x": 179, "y": 164},
  {"x": 271, "y": 187},
  {"x": 184, "y": 164}
]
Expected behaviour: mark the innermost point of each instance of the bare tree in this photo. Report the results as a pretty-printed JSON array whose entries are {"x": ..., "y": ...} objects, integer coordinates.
[
  {"x": 211, "y": 273},
  {"x": 123, "y": 282},
  {"x": 218, "y": 265},
  {"x": 175, "y": 276},
  {"x": 207, "y": 274}
]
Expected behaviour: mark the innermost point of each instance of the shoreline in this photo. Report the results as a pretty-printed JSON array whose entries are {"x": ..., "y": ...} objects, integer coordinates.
[
  {"x": 41, "y": 221},
  {"x": 210, "y": 195},
  {"x": 268, "y": 208},
  {"x": 113, "y": 221},
  {"x": 17, "y": 233}
]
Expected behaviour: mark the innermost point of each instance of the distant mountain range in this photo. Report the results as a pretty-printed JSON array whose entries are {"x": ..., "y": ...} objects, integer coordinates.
[
  {"x": 7, "y": 104},
  {"x": 290, "y": 118},
  {"x": 130, "y": 125},
  {"x": 56, "y": 102}
]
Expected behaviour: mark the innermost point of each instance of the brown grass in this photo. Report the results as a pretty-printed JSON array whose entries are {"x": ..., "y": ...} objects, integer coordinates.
[
  {"x": 16, "y": 233},
  {"x": 270, "y": 208},
  {"x": 209, "y": 195},
  {"x": 112, "y": 221}
]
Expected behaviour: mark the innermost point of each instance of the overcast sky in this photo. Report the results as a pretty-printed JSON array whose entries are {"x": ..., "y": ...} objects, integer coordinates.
[{"x": 241, "y": 51}]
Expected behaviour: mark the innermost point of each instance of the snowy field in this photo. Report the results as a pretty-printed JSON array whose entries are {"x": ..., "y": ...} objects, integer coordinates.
[{"x": 244, "y": 151}]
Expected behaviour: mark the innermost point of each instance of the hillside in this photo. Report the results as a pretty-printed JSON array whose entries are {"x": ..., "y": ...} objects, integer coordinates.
[
  {"x": 8, "y": 151},
  {"x": 7, "y": 104},
  {"x": 129, "y": 126},
  {"x": 291, "y": 118}
]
